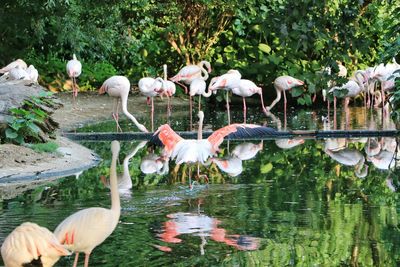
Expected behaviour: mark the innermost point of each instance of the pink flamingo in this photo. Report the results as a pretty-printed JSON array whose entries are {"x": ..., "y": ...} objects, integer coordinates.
[
  {"x": 151, "y": 87},
  {"x": 227, "y": 81},
  {"x": 74, "y": 69},
  {"x": 88, "y": 228},
  {"x": 199, "y": 150},
  {"x": 190, "y": 72},
  {"x": 119, "y": 87},
  {"x": 14, "y": 64},
  {"x": 245, "y": 89},
  {"x": 169, "y": 89},
  {"x": 283, "y": 84},
  {"x": 246, "y": 151},
  {"x": 30, "y": 242}
]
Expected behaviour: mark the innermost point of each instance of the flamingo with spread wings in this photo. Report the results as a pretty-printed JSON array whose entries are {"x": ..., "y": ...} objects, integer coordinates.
[{"x": 200, "y": 150}]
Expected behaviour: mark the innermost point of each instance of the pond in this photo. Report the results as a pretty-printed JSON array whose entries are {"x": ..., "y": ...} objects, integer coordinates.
[{"x": 324, "y": 202}]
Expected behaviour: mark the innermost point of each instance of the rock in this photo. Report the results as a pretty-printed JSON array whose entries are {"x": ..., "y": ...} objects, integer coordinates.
[{"x": 13, "y": 94}]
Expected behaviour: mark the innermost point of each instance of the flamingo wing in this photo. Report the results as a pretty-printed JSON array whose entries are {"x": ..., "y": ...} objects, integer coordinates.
[
  {"x": 239, "y": 131},
  {"x": 165, "y": 136}
]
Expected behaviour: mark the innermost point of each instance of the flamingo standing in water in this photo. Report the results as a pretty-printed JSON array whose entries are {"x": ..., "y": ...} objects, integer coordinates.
[
  {"x": 151, "y": 87},
  {"x": 118, "y": 87},
  {"x": 227, "y": 81},
  {"x": 200, "y": 150},
  {"x": 30, "y": 243},
  {"x": 283, "y": 84},
  {"x": 245, "y": 89},
  {"x": 74, "y": 69},
  {"x": 88, "y": 228},
  {"x": 190, "y": 72}
]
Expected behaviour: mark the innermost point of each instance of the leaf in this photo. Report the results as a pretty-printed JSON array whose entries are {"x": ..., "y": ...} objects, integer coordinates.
[
  {"x": 33, "y": 127},
  {"x": 296, "y": 92},
  {"x": 11, "y": 134},
  {"x": 264, "y": 48},
  {"x": 266, "y": 168}
]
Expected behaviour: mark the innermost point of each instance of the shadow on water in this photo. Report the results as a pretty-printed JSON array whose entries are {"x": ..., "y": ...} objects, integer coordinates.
[{"x": 296, "y": 202}]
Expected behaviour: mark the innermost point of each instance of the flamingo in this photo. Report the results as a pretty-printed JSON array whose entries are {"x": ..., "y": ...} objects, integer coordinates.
[
  {"x": 151, "y": 87},
  {"x": 190, "y": 72},
  {"x": 246, "y": 151},
  {"x": 74, "y": 69},
  {"x": 153, "y": 163},
  {"x": 18, "y": 73},
  {"x": 199, "y": 150},
  {"x": 33, "y": 73},
  {"x": 283, "y": 84},
  {"x": 198, "y": 87},
  {"x": 198, "y": 224},
  {"x": 118, "y": 87},
  {"x": 227, "y": 81},
  {"x": 18, "y": 62},
  {"x": 169, "y": 89},
  {"x": 231, "y": 164},
  {"x": 31, "y": 243},
  {"x": 350, "y": 157},
  {"x": 88, "y": 228},
  {"x": 245, "y": 89},
  {"x": 124, "y": 181}
]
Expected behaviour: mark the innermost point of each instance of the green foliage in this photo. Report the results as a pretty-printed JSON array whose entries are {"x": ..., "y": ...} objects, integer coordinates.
[
  {"x": 25, "y": 122},
  {"x": 44, "y": 147},
  {"x": 262, "y": 39}
]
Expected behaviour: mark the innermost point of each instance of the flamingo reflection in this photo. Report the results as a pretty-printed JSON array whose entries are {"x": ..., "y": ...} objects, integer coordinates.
[
  {"x": 124, "y": 181},
  {"x": 197, "y": 224}
]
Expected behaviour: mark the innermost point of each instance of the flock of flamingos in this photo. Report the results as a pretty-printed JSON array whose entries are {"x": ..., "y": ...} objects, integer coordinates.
[{"x": 86, "y": 229}]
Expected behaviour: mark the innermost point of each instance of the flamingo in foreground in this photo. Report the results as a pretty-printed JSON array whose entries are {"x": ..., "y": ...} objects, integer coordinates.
[
  {"x": 118, "y": 87},
  {"x": 31, "y": 243},
  {"x": 88, "y": 228},
  {"x": 74, "y": 69},
  {"x": 190, "y": 72},
  {"x": 200, "y": 150}
]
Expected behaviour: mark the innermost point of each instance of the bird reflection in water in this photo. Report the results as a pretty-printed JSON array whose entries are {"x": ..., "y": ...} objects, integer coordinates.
[
  {"x": 124, "y": 180},
  {"x": 203, "y": 226}
]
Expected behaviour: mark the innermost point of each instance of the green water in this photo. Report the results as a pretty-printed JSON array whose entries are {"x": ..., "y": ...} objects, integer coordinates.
[{"x": 288, "y": 207}]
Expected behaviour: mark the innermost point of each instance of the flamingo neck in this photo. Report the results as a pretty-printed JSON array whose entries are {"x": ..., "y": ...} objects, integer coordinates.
[
  {"x": 278, "y": 97},
  {"x": 204, "y": 72},
  {"x": 165, "y": 72},
  {"x": 115, "y": 202},
  {"x": 262, "y": 101},
  {"x": 200, "y": 130},
  {"x": 124, "y": 100}
]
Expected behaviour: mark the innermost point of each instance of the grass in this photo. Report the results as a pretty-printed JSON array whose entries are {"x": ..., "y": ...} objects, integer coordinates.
[{"x": 44, "y": 147}]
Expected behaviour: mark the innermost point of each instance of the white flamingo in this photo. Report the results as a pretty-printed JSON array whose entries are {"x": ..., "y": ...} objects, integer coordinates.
[
  {"x": 74, "y": 69},
  {"x": 30, "y": 242},
  {"x": 119, "y": 87},
  {"x": 88, "y": 228}
]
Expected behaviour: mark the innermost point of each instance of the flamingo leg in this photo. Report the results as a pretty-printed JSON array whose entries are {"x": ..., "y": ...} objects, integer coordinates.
[
  {"x": 183, "y": 86},
  {"x": 227, "y": 107},
  {"x": 152, "y": 114},
  {"x": 284, "y": 105},
  {"x": 244, "y": 110},
  {"x": 199, "y": 102},
  {"x": 169, "y": 108},
  {"x": 190, "y": 112},
  {"x": 334, "y": 112},
  {"x": 76, "y": 259},
  {"x": 87, "y": 255}
]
